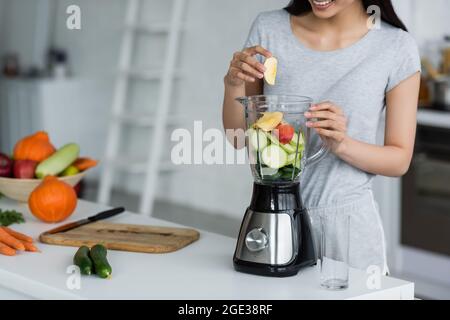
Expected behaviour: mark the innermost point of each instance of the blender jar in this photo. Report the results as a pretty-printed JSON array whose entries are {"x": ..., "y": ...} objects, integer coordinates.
[{"x": 279, "y": 143}]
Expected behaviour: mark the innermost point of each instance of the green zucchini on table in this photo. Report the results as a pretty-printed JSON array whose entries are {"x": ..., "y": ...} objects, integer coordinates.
[
  {"x": 101, "y": 265},
  {"x": 83, "y": 261},
  {"x": 93, "y": 261}
]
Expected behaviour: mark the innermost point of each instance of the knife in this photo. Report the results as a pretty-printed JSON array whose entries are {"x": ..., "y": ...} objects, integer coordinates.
[{"x": 100, "y": 216}]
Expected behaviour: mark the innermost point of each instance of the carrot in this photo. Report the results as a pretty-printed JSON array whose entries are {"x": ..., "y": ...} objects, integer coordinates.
[
  {"x": 7, "y": 251},
  {"x": 30, "y": 247},
  {"x": 11, "y": 241},
  {"x": 84, "y": 163},
  {"x": 17, "y": 235}
]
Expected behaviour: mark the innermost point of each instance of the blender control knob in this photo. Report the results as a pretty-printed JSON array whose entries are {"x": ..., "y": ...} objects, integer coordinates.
[{"x": 256, "y": 240}]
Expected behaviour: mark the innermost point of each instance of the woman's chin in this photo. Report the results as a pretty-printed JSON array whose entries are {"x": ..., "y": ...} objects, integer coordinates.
[
  {"x": 324, "y": 15},
  {"x": 324, "y": 12}
]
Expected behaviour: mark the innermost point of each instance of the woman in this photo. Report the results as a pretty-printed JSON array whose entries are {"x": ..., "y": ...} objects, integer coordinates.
[{"x": 332, "y": 52}]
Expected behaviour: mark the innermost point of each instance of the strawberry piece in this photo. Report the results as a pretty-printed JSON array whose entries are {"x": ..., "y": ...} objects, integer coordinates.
[{"x": 284, "y": 133}]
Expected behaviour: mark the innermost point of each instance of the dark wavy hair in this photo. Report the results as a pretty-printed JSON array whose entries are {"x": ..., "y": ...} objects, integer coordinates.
[{"x": 388, "y": 14}]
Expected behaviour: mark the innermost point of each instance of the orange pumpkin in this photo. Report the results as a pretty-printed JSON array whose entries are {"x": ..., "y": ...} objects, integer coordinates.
[
  {"x": 53, "y": 200},
  {"x": 36, "y": 147}
]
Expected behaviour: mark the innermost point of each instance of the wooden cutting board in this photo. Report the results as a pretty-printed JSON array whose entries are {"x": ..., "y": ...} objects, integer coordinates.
[{"x": 125, "y": 237}]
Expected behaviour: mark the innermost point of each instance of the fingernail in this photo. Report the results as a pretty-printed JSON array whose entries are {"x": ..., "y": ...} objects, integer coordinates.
[
  {"x": 309, "y": 124},
  {"x": 260, "y": 75},
  {"x": 307, "y": 114},
  {"x": 313, "y": 107}
]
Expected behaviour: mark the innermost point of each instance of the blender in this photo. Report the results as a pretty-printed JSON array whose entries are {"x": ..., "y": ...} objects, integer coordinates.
[{"x": 275, "y": 237}]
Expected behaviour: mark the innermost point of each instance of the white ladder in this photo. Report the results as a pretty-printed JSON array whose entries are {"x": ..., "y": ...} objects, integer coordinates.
[{"x": 158, "y": 121}]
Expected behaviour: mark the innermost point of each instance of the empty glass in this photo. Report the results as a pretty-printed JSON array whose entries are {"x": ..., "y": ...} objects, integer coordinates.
[{"x": 334, "y": 251}]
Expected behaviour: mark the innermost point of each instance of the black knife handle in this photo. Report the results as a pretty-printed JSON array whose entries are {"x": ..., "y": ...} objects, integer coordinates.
[{"x": 106, "y": 214}]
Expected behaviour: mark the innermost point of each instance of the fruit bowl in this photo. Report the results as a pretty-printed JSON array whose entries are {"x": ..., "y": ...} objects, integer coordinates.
[{"x": 20, "y": 189}]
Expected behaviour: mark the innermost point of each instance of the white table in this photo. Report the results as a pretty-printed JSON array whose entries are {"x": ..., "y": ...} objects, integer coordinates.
[{"x": 202, "y": 270}]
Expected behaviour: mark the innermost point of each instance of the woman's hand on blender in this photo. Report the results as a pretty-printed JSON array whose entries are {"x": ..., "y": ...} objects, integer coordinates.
[
  {"x": 331, "y": 124},
  {"x": 245, "y": 68}
]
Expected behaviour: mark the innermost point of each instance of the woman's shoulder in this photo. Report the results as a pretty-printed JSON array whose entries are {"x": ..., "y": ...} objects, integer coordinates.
[
  {"x": 398, "y": 38},
  {"x": 272, "y": 18}
]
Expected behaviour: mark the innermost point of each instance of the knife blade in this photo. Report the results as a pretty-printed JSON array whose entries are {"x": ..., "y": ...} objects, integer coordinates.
[{"x": 99, "y": 216}]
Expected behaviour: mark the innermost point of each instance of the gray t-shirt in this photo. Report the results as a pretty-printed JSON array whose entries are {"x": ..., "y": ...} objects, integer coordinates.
[{"x": 356, "y": 78}]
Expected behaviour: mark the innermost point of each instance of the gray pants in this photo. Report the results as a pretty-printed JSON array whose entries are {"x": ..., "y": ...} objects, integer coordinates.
[{"x": 367, "y": 245}]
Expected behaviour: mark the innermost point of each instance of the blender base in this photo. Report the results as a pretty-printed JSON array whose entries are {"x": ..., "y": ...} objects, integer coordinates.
[
  {"x": 269, "y": 270},
  {"x": 275, "y": 237}
]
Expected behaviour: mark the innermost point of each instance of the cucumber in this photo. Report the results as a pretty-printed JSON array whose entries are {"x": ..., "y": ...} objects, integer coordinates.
[
  {"x": 101, "y": 265},
  {"x": 258, "y": 139},
  {"x": 274, "y": 157},
  {"x": 83, "y": 261},
  {"x": 286, "y": 147},
  {"x": 291, "y": 159},
  {"x": 57, "y": 162},
  {"x": 295, "y": 139},
  {"x": 272, "y": 177},
  {"x": 289, "y": 148}
]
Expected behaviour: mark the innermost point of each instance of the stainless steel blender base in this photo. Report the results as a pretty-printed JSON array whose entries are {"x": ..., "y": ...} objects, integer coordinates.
[{"x": 267, "y": 238}]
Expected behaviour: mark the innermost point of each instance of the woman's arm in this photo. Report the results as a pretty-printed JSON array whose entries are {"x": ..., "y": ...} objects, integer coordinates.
[
  {"x": 244, "y": 78},
  {"x": 392, "y": 159}
]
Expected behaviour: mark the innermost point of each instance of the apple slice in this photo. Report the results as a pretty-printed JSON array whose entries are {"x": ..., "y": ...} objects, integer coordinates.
[
  {"x": 271, "y": 70},
  {"x": 269, "y": 121}
]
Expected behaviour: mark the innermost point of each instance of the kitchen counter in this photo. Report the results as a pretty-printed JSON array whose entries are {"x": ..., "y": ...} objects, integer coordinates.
[{"x": 202, "y": 270}]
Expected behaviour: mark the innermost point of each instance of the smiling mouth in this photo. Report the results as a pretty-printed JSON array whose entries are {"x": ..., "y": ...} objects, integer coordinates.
[{"x": 322, "y": 4}]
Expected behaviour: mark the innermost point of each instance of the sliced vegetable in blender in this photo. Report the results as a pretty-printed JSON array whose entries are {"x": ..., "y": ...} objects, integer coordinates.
[
  {"x": 270, "y": 74},
  {"x": 286, "y": 147},
  {"x": 274, "y": 156},
  {"x": 298, "y": 139},
  {"x": 258, "y": 139},
  {"x": 269, "y": 121},
  {"x": 294, "y": 159}
]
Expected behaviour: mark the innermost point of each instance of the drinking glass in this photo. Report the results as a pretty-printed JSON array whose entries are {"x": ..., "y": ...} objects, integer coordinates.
[{"x": 334, "y": 251}]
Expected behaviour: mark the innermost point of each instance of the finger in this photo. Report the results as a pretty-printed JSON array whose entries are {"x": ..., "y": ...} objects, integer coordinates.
[
  {"x": 327, "y": 106},
  {"x": 17, "y": 235},
  {"x": 331, "y": 134},
  {"x": 328, "y": 124},
  {"x": 247, "y": 68},
  {"x": 251, "y": 61},
  {"x": 322, "y": 115},
  {"x": 239, "y": 74},
  {"x": 258, "y": 50}
]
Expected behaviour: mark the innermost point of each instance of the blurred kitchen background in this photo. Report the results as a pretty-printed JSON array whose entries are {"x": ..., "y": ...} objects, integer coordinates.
[{"x": 67, "y": 81}]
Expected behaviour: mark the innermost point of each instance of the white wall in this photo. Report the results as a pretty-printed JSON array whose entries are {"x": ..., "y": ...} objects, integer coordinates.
[{"x": 24, "y": 30}]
